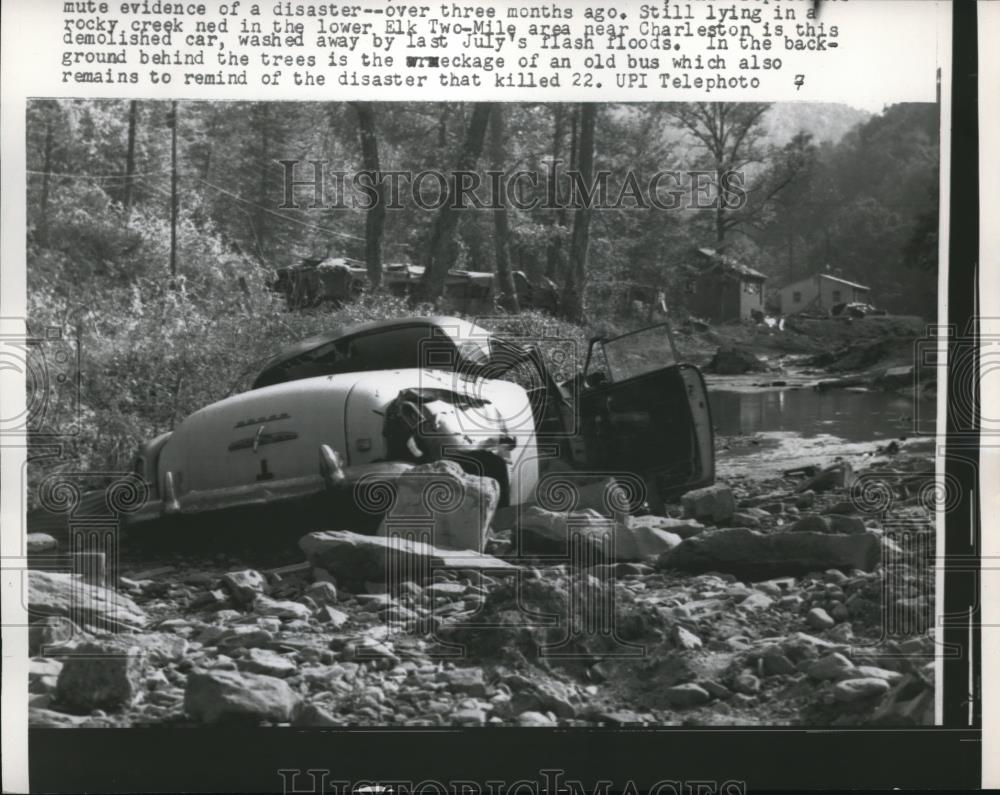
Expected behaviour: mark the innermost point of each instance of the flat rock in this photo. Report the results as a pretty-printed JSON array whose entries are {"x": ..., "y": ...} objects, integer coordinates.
[
  {"x": 266, "y": 606},
  {"x": 712, "y": 504},
  {"x": 352, "y": 557},
  {"x": 686, "y": 695},
  {"x": 751, "y": 555},
  {"x": 265, "y": 661},
  {"x": 216, "y": 696},
  {"x": 851, "y": 690},
  {"x": 62, "y": 594},
  {"x": 833, "y": 666}
]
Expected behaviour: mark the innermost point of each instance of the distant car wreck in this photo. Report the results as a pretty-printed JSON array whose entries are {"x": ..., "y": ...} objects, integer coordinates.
[{"x": 342, "y": 414}]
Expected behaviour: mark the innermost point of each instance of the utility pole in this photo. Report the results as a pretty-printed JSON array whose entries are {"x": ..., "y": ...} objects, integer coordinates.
[{"x": 173, "y": 188}]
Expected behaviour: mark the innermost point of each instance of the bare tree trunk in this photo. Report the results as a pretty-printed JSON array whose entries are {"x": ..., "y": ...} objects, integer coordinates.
[
  {"x": 375, "y": 215},
  {"x": 133, "y": 113},
  {"x": 437, "y": 258},
  {"x": 260, "y": 220},
  {"x": 501, "y": 224},
  {"x": 573, "y": 295},
  {"x": 43, "y": 222},
  {"x": 173, "y": 188},
  {"x": 554, "y": 255}
]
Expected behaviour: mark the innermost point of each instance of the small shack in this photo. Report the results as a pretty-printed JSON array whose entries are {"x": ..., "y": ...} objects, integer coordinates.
[
  {"x": 719, "y": 288},
  {"x": 821, "y": 292}
]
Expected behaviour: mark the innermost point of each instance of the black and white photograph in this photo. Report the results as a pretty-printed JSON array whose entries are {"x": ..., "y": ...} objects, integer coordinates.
[
  {"x": 463, "y": 414},
  {"x": 576, "y": 396}
]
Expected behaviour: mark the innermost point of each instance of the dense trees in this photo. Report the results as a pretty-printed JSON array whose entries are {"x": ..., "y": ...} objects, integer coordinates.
[{"x": 863, "y": 204}]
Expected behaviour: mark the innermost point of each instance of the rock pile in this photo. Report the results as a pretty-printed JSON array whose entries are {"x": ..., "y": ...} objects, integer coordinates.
[{"x": 764, "y": 606}]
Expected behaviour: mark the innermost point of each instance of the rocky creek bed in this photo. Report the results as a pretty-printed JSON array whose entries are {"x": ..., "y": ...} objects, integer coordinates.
[{"x": 795, "y": 600}]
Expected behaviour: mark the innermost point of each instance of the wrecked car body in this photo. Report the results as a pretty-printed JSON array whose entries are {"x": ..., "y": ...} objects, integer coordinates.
[{"x": 343, "y": 415}]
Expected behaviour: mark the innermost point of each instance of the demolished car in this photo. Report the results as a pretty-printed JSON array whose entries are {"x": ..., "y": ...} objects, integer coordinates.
[{"x": 342, "y": 414}]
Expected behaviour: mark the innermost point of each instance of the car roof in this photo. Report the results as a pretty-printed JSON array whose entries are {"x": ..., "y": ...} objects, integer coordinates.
[{"x": 451, "y": 326}]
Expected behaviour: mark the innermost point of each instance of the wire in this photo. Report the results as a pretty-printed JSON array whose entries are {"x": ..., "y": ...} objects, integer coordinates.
[{"x": 95, "y": 176}]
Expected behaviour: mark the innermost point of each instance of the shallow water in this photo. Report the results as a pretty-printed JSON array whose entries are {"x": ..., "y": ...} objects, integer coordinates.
[{"x": 778, "y": 429}]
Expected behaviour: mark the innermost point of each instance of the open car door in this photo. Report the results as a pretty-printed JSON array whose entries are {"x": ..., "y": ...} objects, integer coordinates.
[{"x": 643, "y": 411}]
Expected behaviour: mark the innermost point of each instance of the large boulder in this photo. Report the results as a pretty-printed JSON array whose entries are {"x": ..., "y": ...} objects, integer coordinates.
[
  {"x": 356, "y": 559},
  {"x": 223, "y": 696},
  {"x": 711, "y": 504},
  {"x": 602, "y": 539},
  {"x": 62, "y": 594},
  {"x": 103, "y": 674},
  {"x": 735, "y": 360},
  {"x": 449, "y": 507},
  {"x": 758, "y": 556}
]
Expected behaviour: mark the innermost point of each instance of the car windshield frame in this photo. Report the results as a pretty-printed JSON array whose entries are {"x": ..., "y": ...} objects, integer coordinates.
[{"x": 629, "y": 356}]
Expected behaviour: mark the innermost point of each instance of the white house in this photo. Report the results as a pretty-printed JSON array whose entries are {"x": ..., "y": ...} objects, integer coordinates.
[{"x": 820, "y": 291}]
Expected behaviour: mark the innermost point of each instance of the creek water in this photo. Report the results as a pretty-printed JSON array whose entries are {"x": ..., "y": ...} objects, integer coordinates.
[{"x": 761, "y": 431}]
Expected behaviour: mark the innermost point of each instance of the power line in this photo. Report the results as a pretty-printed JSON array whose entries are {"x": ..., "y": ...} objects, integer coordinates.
[{"x": 95, "y": 176}]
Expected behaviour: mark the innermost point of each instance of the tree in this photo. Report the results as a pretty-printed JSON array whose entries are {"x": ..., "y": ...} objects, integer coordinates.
[
  {"x": 730, "y": 133},
  {"x": 375, "y": 215},
  {"x": 576, "y": 275},
  {"x": 501, "y": 223},
  {"x": 437, "y": 259}
]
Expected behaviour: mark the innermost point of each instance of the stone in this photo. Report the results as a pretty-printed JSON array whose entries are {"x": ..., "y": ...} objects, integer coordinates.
[
  {"x": 818, "y": 618},
  {"x": 548, "y": 532},
  {"x": 50, "y": 719},
  {"x": 777, "y": 664},
  {"x": 745, "y": 683},
  {"x": 757, "y": 601},
  {"x": 352, "y": 557},
  {"x": 751, "y": 555},
  {"x": 744, "y": 520},
  {"x": 837, "y": 476},
  {"x": 265, "y": 606},
  {"x": 315, "y": 716},
  {"x": 810, "y": 523},
  {"x": 685, "y": 639},
  {"x": 712, "y": 504},
  {"x": 468, "y": 681},
  {"x": 832, "y": 666},
  {"x": 62, "y": 594},
  {"x": 265, "y": 661},
  {"x": 735, "y": 360},
  {"x": 456, "y": 507},
  {"x": 532, "y": 718},
  {"x": 685, "y": 528},
  {"x": 471, "y": 716},
  {"x": 40, "y": 544},
  {"x": 848, "y": 525},
  {"x": 101, "y": 674},
  {"x": 219, "y": 696},
  {"x": 332, "y": 616},
  {"x": 874, "y": 672},
  {"x": 244, "y": 586},
  {"x": 50, "y": 630},
  {"x": 851, "y": 690},
  {"x": 686, "y": 695},
  {"x": 322, "y": 593}
]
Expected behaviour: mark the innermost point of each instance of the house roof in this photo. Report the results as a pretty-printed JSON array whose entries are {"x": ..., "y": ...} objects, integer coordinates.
[
  {"x": 837, "y": 279},
  {"x": 844, "y": 281},
  {"x": 728, "y": 263}
]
